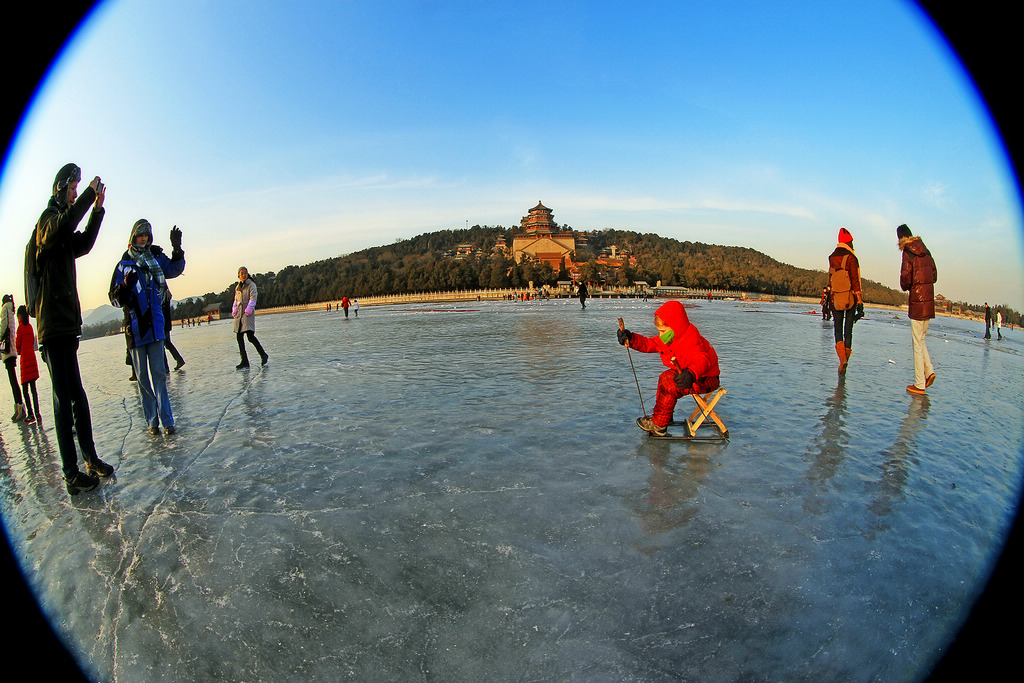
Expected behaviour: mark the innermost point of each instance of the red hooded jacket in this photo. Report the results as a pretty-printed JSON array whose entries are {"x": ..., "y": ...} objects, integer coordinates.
[
  {"x": 688, "y": 350},
  {"x": 25, "y": 343}
]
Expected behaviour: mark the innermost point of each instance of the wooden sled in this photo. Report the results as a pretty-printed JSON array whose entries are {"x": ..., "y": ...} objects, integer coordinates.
[{"x": 703, "y": 415}]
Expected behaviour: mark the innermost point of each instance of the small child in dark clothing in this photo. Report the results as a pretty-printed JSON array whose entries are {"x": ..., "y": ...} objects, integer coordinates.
[{"x": 692, "y": 362}]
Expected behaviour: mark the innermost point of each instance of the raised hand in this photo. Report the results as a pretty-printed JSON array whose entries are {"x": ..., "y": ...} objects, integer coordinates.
[{"x": 101, "y": 192}]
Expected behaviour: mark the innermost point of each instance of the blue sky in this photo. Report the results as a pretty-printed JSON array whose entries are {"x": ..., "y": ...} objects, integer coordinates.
[{"x": 277, "y": 134}]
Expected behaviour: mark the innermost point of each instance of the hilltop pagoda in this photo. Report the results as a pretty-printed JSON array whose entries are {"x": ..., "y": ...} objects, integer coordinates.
[{"x": 541, "y": 239}]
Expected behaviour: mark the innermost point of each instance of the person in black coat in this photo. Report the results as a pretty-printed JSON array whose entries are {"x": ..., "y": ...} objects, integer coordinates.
[{"x": 58, "y": 244}]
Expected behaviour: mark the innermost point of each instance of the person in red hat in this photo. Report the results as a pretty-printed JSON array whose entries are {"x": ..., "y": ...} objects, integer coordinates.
[{"x": 847, "y": 302}]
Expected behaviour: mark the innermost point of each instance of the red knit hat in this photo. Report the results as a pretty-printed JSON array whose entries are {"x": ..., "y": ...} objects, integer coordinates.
[{"x": 845, "y": 236}]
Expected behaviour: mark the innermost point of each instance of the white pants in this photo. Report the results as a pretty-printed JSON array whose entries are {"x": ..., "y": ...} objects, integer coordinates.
[{"x": 922, "y": 363}]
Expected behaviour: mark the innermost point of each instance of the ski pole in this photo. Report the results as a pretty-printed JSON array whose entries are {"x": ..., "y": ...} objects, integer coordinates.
[{"x": 630, "y": 356}]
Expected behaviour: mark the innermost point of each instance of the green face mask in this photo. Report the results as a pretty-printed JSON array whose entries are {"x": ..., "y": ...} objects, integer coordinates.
[{"x": 668, "y": 336}]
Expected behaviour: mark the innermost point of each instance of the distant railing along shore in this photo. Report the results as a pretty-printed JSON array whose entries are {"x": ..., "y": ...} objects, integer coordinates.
[{"x": 521, "y": 293}]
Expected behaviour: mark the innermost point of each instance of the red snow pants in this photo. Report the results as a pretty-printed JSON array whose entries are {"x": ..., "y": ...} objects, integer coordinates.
[{"x": 669, "y": 393}]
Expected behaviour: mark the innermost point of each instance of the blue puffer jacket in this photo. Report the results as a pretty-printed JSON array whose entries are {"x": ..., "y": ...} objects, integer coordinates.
[{"x": 143, "y": 301}]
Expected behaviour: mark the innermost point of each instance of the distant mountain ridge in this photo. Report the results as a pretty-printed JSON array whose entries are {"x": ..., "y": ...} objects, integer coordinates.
[
  {"x": 100, "y": 315},
  {"x": 107, "y": 313}
]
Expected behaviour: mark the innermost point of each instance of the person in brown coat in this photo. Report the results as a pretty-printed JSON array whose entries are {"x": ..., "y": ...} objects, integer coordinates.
[
  {"x": 847, "y": 301},
  {"x": 917, "y": 276}
]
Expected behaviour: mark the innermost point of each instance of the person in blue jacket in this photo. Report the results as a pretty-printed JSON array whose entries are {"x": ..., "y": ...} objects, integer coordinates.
[{"x": 139, "y": 286}]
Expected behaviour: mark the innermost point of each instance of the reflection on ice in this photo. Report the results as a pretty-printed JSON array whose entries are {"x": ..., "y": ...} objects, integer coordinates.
[
  {"x": 897, "y": 459},
  {"x": 461, "y": 493}
]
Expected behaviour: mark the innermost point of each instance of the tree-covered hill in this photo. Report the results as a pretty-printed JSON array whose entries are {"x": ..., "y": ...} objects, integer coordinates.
[{"x": 710, "y": 266}]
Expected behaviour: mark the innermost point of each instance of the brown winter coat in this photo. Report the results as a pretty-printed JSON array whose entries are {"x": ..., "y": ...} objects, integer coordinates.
[
  {"x": 917, "y": 276},
  {"x": 835, "y": 260}
]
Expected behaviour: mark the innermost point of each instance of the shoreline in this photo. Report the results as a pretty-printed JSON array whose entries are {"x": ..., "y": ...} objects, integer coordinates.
[{"x": 502, "y": 295}]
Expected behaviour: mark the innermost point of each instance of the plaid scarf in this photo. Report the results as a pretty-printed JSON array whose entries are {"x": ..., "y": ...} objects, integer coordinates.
[{"x": 149, "y": 269}]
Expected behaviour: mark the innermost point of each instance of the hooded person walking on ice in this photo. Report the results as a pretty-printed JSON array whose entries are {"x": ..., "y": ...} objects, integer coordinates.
[
  {"x": 25, "y": 343},
  {"x": 917, "y": 277},
  {"x": 847, "y": 302},
  {"x": 691, "y": 361},
  {"x": 139, "y": 286}
]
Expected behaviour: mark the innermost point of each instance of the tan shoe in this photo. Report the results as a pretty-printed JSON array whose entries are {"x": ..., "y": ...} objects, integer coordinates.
[{"x": 646, "y": 423}]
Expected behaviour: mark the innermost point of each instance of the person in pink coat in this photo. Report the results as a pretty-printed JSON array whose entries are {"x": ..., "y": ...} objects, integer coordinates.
[
  {"x": 243, "y": 310},
  {"x": 9, "y": 354}
]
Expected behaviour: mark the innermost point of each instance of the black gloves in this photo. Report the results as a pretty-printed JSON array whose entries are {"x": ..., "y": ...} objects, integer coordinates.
[
  {"x": 125, "y": 292},
  {"x": 684, "y": 380},
  {"x": 858, "y": 312},
  {"x": 623, "y": 336},
  {"x": 176, "y": 251}
]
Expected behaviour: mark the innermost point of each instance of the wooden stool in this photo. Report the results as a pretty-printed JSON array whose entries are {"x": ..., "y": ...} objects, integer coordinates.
[{"x": 706, "y": 409}]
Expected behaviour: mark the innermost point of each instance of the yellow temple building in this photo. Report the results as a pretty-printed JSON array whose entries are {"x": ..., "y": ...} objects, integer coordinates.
[{"x": 541, "y": 239}]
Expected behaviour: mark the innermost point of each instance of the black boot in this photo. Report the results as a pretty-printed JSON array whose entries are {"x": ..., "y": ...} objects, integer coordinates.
[
  {"x": 264, "y": 356},
  {"x": 241, "y": 352},
  {"x": 79, "y": 482}
]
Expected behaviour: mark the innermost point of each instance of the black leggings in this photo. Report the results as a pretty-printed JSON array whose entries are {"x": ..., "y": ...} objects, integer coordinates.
[
  {"x": 31, "y": 398},
  {"x": 71, "y": 416},
  {"x": 13, "y": 377},
  {"x": 842, "y": 322},
  {"x": 252, "y": 340},
  {"x": 173, "y": 351}
]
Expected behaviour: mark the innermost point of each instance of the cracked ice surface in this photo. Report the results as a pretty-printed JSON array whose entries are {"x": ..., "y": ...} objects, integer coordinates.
[{"x": 460, "y": 493}]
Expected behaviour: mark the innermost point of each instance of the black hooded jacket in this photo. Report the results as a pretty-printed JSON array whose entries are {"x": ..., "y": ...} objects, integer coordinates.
[{"x": 59, "y": 243}]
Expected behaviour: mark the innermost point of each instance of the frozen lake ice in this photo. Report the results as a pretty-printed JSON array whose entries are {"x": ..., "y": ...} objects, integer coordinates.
[{"x": 459, "y": 492}]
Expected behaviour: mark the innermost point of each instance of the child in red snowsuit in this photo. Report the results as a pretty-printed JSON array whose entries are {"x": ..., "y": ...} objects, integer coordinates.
[
  {"x": 25, "y": 343},
  {"x": 692, "y": 362}
]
